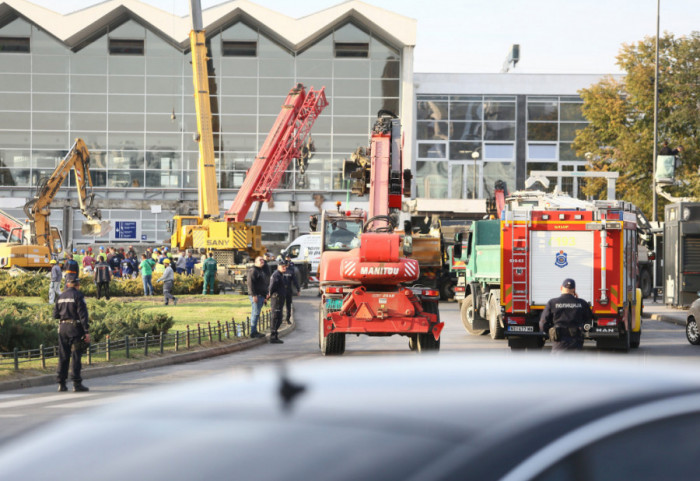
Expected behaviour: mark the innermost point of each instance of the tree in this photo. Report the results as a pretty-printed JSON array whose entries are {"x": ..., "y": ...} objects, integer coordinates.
[{"x": 620, "y": 134}]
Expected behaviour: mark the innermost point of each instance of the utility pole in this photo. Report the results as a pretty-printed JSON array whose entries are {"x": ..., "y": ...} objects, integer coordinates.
[{"x": 655, "y": 214}]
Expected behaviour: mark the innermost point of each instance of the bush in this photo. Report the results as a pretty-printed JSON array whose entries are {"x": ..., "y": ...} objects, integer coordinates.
[
  {"x": 37, "y": 285},
  {"x": 26, "y": 327}
]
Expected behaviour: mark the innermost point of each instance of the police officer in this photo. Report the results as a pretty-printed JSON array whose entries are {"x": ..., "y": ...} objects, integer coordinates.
[
  {"x": 290, "y": 279},
  {"x": 278, "y": 294},
  {"x": 72, "y": 313},
  {"x": 567, "y": 314}
]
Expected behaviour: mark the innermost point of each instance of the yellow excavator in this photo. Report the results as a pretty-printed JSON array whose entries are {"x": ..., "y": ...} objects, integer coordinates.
[{"x": 32, "y": 245}]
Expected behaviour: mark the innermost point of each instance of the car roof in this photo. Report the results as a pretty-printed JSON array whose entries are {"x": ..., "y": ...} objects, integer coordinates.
[{"x": 424, "y": 414}]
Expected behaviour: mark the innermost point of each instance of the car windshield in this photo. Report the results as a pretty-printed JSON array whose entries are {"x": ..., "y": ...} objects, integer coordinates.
[{"x": 343, "y": 234}]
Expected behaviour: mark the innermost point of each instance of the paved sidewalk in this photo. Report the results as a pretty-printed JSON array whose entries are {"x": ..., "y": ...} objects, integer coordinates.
[
  {"x": 91, "y": 372},
  {"x": 660, "y": 312}
]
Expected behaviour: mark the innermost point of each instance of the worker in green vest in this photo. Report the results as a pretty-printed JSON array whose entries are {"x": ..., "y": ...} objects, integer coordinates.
[{"x": 209, "y": 270}]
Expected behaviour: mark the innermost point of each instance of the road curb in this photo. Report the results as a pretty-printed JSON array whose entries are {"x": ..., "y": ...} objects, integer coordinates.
[
  {"x": 667, "y": 319},
  {"x": 165, "y": 360}
]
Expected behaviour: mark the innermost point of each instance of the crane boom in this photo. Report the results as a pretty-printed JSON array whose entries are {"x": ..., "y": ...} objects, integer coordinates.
[
  {"x": 299, "y": 112},
  {"x": 208, "y": 197}
]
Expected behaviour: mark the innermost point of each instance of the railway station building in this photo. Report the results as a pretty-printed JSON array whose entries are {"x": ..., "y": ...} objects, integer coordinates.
[{"x": 118, "y": 75}]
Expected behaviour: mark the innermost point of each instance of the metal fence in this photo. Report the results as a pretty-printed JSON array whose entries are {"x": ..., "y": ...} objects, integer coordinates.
[{"x": 128, "y": 346}]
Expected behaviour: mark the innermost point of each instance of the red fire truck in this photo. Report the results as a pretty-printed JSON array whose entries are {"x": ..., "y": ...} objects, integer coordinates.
[{"x": 595, "y": 243}]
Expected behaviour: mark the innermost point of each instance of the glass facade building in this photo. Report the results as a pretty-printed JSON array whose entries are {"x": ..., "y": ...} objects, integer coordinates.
[{"x": 127, "y": 91}]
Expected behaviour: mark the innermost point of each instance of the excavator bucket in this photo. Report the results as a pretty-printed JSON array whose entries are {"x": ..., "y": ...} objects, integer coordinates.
[{"x": 96, "y": 228}]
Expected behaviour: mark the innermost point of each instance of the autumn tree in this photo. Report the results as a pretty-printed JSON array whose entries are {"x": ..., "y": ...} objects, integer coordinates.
[{"x": 620, "y": 134}]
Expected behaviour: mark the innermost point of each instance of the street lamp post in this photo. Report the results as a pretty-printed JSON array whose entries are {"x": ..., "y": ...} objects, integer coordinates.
[
  {"x": 655, "y": 215},
  {"x": 475, "y": 156}
]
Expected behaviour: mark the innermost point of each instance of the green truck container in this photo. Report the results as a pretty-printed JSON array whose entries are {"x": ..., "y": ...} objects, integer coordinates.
[{"x": 479, "y": 281}]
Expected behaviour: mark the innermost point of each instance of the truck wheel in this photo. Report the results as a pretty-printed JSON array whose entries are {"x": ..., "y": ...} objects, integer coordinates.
[
  {"x": 645, "y": 283},
  {"x": 495, "y": 328},
  {"x": 691, "y": 332},
  {"x": 332, "y": 344},
  {"x": 467, "y": 312},
  {"x": 426, "y": 342},
  {"x": 413, "y": 342},
  {"x": 447, "y": 291}
]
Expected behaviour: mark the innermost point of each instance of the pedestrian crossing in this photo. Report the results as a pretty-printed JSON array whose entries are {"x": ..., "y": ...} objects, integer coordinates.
[{"x": 20, "y": 405}]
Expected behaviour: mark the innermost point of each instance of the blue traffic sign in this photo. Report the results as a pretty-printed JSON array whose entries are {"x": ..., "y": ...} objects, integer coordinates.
[{"x": 124, "y": 230}]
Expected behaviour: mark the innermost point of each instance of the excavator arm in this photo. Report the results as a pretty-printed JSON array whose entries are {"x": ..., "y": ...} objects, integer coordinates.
[{"x": 38, "y": 209}]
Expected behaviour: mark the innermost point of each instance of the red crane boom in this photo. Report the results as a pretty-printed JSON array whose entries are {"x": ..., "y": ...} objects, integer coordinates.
[{"x": 299, "y": 112}]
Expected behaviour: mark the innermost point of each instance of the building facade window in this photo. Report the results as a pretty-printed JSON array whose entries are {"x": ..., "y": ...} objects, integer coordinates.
[{"x": 465, "y": 143}]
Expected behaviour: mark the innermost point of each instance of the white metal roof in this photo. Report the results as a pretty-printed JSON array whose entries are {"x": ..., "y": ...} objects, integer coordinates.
[{"x": 294, "y": 33}]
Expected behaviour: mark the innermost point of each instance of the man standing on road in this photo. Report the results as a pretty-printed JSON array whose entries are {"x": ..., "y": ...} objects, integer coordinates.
[
  {"x": 564, "y": 317},
  {"x": 278, "y": 294},
  {"x": 56, "y": 276},
  {"x": 103, "y": 275},
  {"x": 209, "y": 271},
  {"x": 257, "y": 290},
  {"x": 72, "y": 313},
  {"x": 168, "y": 280},
  {"x": 291, "y": 284}
]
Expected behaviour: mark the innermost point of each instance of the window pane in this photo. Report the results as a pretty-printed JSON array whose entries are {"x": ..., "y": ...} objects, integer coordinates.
[
  {"x": 465, "y": 130},
  {"x": 542, "y": 111},
  {"x": 47, "y": 121},
  {"x": 81, "y": 122},
  {"x": 350, "y": 107},
  {"x": 46, "y": 159},
  {"x": 431, "y": 180},
  {"x": 14, "y": 177},
  {"x": 351, "y": 68},
  {"x": 499, "y": 151},
  {"x": 50, "y": 83},
  {"x": 244, "y": 142},
  {"x": 87, "y": 84},
  {"x": 566, "y": 152},
  {"x": 164, "y": 104},
  {"x": 499, "y": 111},
  {"x": 127, "y": 64},
  {"x": 125, "y": 178},
  {"x": 432, "y": 110},
  {"x": 132, "y": 85},
  {"x": 50, "y": 102},
  {"x": 237, "y": 67},
  {"x": 18, "y": 121},
  {"x": 239, "y": 86},
  {"x": 14, "y": 140},
  {"x": 126, "y": 103},
  {"x": 380, "y": 50},
  {"x": 385, "y": 88},
  {"x": 499, "y": 130},
  {"x": 279, "y": 67},
  {"x": 163, "y": 141},
  {"x": 122, "y": 142},
  {"x": 351, "y": 88},
  {"x": 94, "y": 140},
  {"x": 464, "y": 150},
  {"x": 88, "y": 103},
  {"x": 163, "y": 160},
  {"x": 351, "y": 125},
  {"x": 541, "y": 131},
  {"x": 126, "y": 122},
  {"x": 542, "y": 152},
  {"x": 495, "y": 171},
  {"x": 50, "y": 140},
  {"x": 432, "y": 151},
  {"x": 12, "y": 101},
  {"x": 158, "y": 85},
  {"x": 385, "y": 69},
  {"x": 162, "y": 123},
  {"x": 276, "y": 87},
  {"x": 16, "y": 63},
  {"x": 127, "y": 159},
  {"x": 163, "y": 179},
  {"x": 571, "y": 111},
  {"x": 431, "y": 130},
  {"x": 87, "y": 64},
  {"x": 347, "y": 144},
  {"x": 238, "y": 124},
  {"x": 49, "y": 64},
  {"x": 567, "y": 131},
  {"x": 15, "y": 82},
  {"x": 466, "y": 111},
  {"x": 314, "y": 68}
]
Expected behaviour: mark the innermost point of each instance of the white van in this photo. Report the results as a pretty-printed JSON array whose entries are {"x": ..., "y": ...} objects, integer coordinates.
[{"x": 306, "y": 247}]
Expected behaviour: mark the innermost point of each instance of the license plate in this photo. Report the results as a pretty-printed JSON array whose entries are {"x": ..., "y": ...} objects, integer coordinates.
[{"x": 521, "y": 329}]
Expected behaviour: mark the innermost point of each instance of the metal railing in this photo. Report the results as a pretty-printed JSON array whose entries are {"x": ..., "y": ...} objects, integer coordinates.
[{"x": 129, "y": 347}]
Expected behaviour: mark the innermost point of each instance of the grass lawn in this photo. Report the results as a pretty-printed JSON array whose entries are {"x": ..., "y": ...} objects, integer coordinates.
[{"x": 191, "y": 310}]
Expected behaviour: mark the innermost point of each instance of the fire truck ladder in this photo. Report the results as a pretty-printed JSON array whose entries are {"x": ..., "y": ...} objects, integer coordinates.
[{"x": 519, "y": 266}]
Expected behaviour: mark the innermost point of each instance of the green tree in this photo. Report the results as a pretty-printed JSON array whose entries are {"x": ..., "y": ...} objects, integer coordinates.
[{"x": 620, "y": 134}]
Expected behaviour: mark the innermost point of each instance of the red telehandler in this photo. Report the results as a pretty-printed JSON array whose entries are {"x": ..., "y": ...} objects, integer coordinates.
[{"x": 363, "y": 273}]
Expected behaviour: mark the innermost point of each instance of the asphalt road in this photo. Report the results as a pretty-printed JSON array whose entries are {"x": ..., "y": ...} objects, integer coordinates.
[{"x": 24, "y": 410}]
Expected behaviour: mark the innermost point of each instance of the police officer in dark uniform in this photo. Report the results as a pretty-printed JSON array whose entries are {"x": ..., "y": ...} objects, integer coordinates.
[
  {"x": 567, "y": 314},
  {"x": 74, "y": 327},
  {"x": 290, "y": 279},
  {"x": 278, "y": 294}
]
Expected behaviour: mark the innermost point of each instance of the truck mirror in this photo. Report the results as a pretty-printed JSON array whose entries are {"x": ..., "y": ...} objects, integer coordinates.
[
  {"x": 457, "y": 251},
  {"x": 169, "y": 226},
  {"x": 459, "y": 236}
]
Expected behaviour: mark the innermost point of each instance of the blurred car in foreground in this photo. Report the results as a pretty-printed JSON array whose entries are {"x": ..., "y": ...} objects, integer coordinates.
[
  {"x": 691, "y": 323},
  {"x": 519, "y": 417}
]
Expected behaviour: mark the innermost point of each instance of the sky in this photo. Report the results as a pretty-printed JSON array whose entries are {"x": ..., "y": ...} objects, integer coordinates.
[{"x": 475, "y": 36}]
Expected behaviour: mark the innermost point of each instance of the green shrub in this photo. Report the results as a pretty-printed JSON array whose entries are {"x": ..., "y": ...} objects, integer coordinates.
[
  {"x": 35, "y": 284},
  {"x": 26, "y": 327}
]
